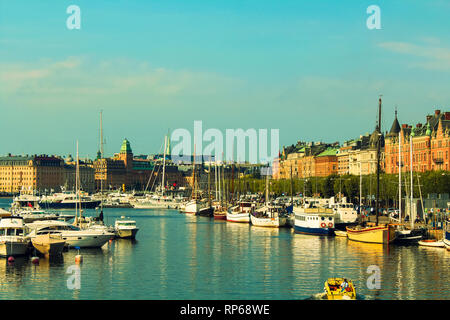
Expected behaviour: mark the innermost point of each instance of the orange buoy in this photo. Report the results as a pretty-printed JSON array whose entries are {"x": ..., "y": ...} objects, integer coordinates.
[
  {"x": 78, "y": 258},
  {"x": 11, "y": 259}
]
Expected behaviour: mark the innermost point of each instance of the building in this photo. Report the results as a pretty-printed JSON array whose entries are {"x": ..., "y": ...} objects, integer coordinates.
[
  {"x": 31, "y": 173},
  {"x": 326, "y": 163},
  {"x": 430, "y": 145},
  {"x": 125, "y": 171}
]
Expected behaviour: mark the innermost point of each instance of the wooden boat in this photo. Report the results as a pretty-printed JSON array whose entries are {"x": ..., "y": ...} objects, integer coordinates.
[
  {"x": 432, "y": 243},
  {"x": 334, "y": 290},
  {"x": 270, "y": 216},
  {"x": 374, "y": 234},
  {"x": 220, "y": 213},
  {"x": 49, "y": 244}
]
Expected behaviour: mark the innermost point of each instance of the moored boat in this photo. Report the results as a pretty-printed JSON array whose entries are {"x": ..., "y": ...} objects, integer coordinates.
[
  {"x": 372, "y": 234},
  {"x": 314, "y": 221},
  {"x": 126, "y": 229},
  {"x": 432, "y": 243},
  {"x": 13, "y": 241},
  {"x": 241, "y": 212},
  {"x": 49, "y": 244},
  {"x": 270, "y": 216}
]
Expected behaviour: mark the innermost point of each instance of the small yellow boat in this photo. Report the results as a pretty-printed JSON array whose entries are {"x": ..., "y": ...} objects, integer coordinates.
[{"x": 333, "y": 289}]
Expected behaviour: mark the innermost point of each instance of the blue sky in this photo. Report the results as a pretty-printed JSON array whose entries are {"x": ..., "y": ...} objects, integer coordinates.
[{"x": 311, "y": 69}]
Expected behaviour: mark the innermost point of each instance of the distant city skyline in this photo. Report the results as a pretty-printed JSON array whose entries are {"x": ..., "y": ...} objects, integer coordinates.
[{"x": 312, "y": 70}]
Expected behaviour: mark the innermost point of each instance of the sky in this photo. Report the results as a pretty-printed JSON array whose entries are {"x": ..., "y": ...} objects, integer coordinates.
[{"x": 312, "y": 69}]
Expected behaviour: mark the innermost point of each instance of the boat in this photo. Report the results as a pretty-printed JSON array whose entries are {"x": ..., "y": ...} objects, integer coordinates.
[
  {"x": 126, "y": 229},
  {"x": 314, "y": 221},
  {"x": 374, "y": 233},
  {"x": 334, "y": 290},
  {"x": 432, "y": 243},
  {"x": 67, "y": 200},
  {"x": 13, "y": 241},
  {"x": 73, "y": 235},
  {"x": 272, "y": 216},
  {"x": 344, "y": 213},
  {"x": 407, "y": 236},
  {"x": 241, "y": 212},
  {"x": 339, "y": 233},
  {"x": 32, "y": 214},
  {"x": 49, "y": 244},
  {"x": 447, "y": 235}
]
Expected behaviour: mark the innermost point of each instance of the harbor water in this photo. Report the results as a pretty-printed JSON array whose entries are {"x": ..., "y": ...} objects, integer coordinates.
[{"x": 179, "y": 257}]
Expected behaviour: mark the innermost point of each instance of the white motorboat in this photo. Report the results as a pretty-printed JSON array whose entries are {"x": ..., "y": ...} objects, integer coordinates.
[
  {"x": 74, "y": 236},
  {"x": 126, "y": 229},
  {"x": 13, "y": 240},
  {"x": 344, "y": 213}
]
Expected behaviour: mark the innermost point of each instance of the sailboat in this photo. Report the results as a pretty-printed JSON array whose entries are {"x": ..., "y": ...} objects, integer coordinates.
[
  {"x": 447, "y": 235},
  {"x": 273, "y": 216},
  {"x": 196, "y": 206},
  {"x": 403, "y": 234},
  {"x": 220, "y": 211},
  {"x": 375, "y": 233}
]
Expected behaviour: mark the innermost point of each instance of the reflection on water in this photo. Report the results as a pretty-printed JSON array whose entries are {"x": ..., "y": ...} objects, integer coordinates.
[{"x": 186, "y": 257}]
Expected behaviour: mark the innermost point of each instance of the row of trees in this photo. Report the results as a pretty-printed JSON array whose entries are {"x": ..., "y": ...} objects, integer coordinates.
[{"x": 424, "y": 183}]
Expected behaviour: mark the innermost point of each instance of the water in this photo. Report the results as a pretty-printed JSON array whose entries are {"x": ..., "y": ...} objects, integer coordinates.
[{"x": 183, "y": 257}]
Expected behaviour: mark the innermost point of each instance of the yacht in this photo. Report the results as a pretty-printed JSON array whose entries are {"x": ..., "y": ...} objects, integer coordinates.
[
  {"x": 13, "y": 240},
  {"x": 344, "y": 213},
  {"x": 73, "y": 235},
  {"x": 126, "y": 229},
  {"x": 67, "y": 200}
]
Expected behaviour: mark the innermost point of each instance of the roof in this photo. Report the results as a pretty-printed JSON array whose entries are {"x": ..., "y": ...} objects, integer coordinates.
[
  {"x": 125, "y": 148},
  {"x": 328, "y": 152}
]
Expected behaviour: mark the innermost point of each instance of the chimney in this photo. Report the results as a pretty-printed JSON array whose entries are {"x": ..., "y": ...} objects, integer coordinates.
[
  {"x": 437, "y": 112},
  {"x": 428, "y": 117},
  {"x": 404, "y": 126},
  {"x": 419, "y": 125},
  {"x": 447, "y": 115}
]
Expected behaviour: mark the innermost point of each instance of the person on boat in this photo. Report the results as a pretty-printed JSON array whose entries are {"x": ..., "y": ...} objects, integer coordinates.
[{"x": 344, "y": 285}]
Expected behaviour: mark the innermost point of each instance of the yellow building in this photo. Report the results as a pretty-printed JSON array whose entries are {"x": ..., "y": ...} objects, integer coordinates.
[{"x": 30, "y": 173}]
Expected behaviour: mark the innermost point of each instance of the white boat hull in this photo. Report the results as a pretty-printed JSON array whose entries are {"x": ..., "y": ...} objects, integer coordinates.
[
  {"x": 238, "y": 217},
  {"x": 268, "y": 222},
  {"x": 12, "y": 248}
]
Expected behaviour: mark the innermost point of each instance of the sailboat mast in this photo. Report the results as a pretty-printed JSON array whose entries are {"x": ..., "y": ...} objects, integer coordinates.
[
  {"x": 412, "y": 186},
  {"x": 378, "y": 158},
  {"x": 101, "y": 157},
  {"x": 164, "y": 166},
  {"x": 194, "y": 195},
  {"x": 400, "y": 177},
  {"x": 77, "y": 187}
]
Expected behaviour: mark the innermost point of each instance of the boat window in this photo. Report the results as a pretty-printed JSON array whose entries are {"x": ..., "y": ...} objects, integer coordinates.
[
  {"x": 10, "y": 232},
  {"x": 2, "y": 232},
  {"x": 330, "y": 218},
  {"x": 323, "y": 218},
  {"x": 19, "y": 232}
]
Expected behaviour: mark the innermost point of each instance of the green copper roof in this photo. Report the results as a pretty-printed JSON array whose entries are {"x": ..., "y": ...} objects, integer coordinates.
[
  {"x": 126, "y": 148},
  {"x": 328, "y": 152},
  {"x": 428, "y": 132}
]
